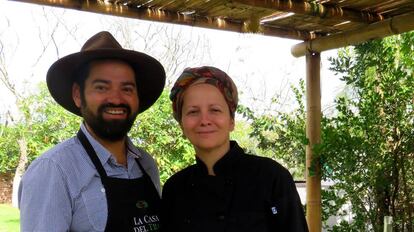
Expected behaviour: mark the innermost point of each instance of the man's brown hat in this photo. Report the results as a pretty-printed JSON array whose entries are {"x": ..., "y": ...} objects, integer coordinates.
[{"x": 149, "y": 73}]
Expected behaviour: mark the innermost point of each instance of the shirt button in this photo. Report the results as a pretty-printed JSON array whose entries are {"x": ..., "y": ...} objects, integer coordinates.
[{"x": 103, "y": 190}]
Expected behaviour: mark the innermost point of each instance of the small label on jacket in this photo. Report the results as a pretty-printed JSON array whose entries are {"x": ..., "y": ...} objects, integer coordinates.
[{"x": 274, "y": 210}]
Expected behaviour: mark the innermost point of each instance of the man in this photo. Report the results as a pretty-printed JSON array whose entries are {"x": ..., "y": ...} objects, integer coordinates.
[{"x": 97, "y": 180}]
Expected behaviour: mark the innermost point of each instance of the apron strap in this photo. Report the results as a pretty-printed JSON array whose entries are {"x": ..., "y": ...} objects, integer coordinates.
[
  {"x": 144, "y": 173},
  {"x": 91, "y": 153},
  {"x": 95, "y": 160}
]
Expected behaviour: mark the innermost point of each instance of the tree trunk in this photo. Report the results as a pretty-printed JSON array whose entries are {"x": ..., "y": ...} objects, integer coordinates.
[{"x": 21, "y": 167}]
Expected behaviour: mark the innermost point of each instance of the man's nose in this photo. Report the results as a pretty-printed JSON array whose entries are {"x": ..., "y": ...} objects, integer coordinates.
[{"x": 115, "y": 97}]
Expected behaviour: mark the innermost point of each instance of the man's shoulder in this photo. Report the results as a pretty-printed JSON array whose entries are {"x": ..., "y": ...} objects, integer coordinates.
[
  {"x": 65, "y": 156},
  {"x": 66, "y": 160},
  {"x": 61, "y": 150}
]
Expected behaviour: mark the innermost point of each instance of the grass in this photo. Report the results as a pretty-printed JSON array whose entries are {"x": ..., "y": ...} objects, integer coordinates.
[{"x": 9, "y": 218}]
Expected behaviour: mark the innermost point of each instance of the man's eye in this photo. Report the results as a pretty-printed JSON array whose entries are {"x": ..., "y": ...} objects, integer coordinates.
[
  {"x": 129, "y": 90},
  {"x": 100, "y": 87}
]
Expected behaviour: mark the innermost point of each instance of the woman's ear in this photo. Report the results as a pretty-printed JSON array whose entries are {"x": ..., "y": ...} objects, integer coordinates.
[
  {"x": 232, "y": 124},
  {"x": 182, "y": 130},
  {"x": 76, "y": 95}
]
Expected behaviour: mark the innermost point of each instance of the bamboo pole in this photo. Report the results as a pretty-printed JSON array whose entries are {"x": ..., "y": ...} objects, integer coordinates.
[
  {"x": 391, "y": 26},
  {"x": 314, "y": 9},
  {"x": 387, "y": 223},
  {"x": 313, "y": 133},
  {"x": 161, "y": 15}
]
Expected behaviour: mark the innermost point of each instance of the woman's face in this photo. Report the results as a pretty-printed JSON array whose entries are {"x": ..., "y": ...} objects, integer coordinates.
[{"x": 206, "y": 119}]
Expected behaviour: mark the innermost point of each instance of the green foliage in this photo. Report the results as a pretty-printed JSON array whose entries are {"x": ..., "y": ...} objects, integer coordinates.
[
  {"x": 46, "y": 122},
  {"x": 280, "y": 135},
  {"x": 43, "y": 124},
  {"x": 241, "y": 135},
  {"x": 368, "y": 146},
  {"x": 9, "y": 149}
]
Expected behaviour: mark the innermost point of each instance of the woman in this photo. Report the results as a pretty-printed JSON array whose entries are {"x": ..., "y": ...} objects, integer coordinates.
[{"x": 227, "y": 189}]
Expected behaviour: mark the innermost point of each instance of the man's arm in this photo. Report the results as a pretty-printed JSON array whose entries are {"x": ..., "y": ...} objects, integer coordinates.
[{"x": 44, "y": 199}]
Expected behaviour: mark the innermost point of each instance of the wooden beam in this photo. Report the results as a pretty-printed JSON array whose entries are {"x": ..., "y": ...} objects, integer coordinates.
[
  {"x": 315, "y": 9},
  {"x": 313, "y": 133},
  {"x": 392, "y": 26},
  {"x": 152, "y": 14}
]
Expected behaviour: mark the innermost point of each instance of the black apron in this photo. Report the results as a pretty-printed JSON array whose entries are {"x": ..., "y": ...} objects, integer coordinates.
[{"x": 133, "y": 204}]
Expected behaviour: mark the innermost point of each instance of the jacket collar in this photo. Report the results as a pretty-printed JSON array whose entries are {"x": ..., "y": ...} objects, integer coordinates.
[{"x": 225, "y": 165}]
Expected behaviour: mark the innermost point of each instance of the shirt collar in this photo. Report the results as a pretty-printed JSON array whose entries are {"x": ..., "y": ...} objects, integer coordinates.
[{"x": 103, "y": 154}]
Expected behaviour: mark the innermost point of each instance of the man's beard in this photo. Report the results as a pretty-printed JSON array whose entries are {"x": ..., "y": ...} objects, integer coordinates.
[{"x": 110, "y": 130}]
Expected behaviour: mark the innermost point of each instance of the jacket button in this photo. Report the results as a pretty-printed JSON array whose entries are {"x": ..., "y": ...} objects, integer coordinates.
[
  {"x": 221, "y": 217},
  {"x": 187, "y": 220}
]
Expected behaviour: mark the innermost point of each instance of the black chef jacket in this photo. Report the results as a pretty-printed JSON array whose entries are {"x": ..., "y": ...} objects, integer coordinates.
[{"x": 248, "y": 193}]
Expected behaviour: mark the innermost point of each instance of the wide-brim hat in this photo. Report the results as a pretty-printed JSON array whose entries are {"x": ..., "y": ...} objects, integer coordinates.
[{"x": 149, "y": 73}]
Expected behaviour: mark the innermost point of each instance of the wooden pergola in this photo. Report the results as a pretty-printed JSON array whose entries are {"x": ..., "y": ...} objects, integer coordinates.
[{"x": 321, "y": 25}]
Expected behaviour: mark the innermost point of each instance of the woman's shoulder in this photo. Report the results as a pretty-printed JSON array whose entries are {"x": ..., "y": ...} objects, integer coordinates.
[
  {"x": 254, "y": 162},
  {"x": 181, "y": 176},
  {"x": 263, "y": 169},
  {"x": 262, "y": 162}
]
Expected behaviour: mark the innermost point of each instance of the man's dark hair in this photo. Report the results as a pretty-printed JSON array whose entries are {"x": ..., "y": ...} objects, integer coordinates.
[{"x": 81, "y": 75}]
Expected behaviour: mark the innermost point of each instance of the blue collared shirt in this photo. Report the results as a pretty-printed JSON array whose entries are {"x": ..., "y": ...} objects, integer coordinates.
[{"x": 62, "y": 191}]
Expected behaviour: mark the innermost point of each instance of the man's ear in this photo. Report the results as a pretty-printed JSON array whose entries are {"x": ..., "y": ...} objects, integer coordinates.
[{"x": 76, "y": 94}]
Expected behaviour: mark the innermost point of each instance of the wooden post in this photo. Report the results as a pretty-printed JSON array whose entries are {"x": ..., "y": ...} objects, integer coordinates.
[
  {"x": 313, "y": 133},
  {"x": 391, "y": 26},
  {"x": 387, "y": 223}
]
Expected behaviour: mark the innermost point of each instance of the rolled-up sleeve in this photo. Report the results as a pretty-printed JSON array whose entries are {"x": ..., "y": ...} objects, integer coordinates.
[{"x": 44, "y": 199}]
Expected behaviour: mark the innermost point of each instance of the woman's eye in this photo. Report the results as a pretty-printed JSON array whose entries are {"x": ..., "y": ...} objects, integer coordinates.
[{"x": 192, "y": 112}]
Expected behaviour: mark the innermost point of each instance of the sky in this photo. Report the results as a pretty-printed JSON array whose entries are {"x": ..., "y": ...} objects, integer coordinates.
[{"x": 261, "y": 66}]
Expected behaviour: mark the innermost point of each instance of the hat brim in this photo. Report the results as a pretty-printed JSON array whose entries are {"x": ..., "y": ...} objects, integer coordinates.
[{"x": 149, "y": 74}]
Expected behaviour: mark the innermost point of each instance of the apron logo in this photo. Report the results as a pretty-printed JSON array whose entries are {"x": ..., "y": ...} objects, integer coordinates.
[{"x": 141, "y": 204}]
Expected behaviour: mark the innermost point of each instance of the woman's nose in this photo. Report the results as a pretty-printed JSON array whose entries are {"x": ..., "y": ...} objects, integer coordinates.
[{"x": 205, "y": 118}]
